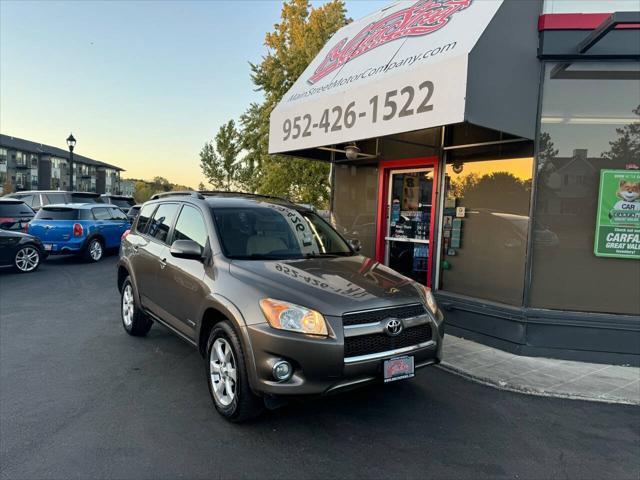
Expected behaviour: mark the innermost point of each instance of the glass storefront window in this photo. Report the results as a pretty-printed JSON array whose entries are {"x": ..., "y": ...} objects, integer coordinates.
[
  {"x": 590, "y": 122},
  {"x": 354, "y": 204},
  {"x": 485, "y": 227}
]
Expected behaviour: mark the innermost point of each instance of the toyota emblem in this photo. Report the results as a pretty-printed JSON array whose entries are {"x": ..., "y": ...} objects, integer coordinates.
[{"x": 393, "y": 327}]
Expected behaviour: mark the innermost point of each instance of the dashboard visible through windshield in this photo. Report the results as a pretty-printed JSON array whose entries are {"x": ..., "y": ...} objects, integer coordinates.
[{"x": 274, "y": 232}]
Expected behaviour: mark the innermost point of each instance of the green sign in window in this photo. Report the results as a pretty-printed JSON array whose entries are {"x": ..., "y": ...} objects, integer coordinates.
[{"x": 618, "y": 220}]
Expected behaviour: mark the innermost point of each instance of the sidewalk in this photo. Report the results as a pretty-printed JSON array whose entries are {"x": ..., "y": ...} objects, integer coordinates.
[{"x": 541, "y": 376}]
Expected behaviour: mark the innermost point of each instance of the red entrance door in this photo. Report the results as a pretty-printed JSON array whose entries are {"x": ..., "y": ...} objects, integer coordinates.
[{"x": 407, "y": 192}]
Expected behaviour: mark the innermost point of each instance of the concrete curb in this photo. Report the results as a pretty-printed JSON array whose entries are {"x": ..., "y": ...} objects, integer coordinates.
[{"x": 502, "y": 385}]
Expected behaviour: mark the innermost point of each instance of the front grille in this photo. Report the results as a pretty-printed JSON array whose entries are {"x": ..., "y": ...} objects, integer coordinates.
[
  {"x": 381, "y": 342},
  {"x": 404, "y": 311}
]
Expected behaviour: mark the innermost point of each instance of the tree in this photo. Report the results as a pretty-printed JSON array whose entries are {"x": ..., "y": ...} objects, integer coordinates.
[
  {"x": 294, "y": 43},
  {"x": 142, "y": 191},
  {"x": 219, "y": 163},
  {"x": 626, "y": 147}
]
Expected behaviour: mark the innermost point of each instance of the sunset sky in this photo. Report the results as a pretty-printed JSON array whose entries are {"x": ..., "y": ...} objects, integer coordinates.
[{"x": 142, "y": 85}]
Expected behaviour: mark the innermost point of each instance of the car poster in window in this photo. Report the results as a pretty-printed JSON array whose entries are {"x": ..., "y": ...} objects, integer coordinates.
[{"x": 618, "y": 219}]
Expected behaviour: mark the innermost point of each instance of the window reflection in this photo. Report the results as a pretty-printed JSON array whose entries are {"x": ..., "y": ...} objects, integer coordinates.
[
  {"x": 589, "y": 123},
  {"x": 484, "y": 245}
]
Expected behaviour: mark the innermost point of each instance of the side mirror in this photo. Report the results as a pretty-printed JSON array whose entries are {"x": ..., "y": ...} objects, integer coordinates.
[
  {"x": 186, "y": 249},
  {"x": 355, "y": 244}
]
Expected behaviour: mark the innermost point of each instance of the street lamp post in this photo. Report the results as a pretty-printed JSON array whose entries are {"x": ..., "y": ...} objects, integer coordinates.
[{"x": 71, "y": 142}]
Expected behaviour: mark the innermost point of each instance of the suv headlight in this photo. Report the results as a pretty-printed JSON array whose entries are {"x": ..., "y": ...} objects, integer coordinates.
[
  {"x": 428, "y": 297},
  {"x": 294, "y": 318}
]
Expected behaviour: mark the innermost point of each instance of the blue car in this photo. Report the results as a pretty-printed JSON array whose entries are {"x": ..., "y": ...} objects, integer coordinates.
[{"x": 86, "y": 229}]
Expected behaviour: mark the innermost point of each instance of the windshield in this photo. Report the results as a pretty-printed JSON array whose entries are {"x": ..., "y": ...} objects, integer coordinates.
[{"x": 276, "y": 232}]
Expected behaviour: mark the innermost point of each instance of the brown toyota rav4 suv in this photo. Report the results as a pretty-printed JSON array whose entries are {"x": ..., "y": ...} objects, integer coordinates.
[{"x": 276, "y": 301}]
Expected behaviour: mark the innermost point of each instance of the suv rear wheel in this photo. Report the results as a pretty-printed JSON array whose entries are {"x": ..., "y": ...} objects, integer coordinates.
[
  {"x": 227, "y": 376},
  {"x": 134, "y": 320},
  {"x": 94, "y": 250}
]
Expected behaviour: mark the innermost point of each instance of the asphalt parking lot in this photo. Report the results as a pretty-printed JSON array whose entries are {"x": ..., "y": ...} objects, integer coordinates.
[{"x": 81, "y": 399}]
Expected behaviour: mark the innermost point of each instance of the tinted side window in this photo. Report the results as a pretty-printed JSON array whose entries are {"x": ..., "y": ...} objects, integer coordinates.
[
  {"x": 117, "y": 214},
  {"x": 79, "y": 198},
  {"x": 36, "y": 201},
  {"x": 85, "y": 214},
  {"x": 190, "y": 226},
  {"x": 28, "y": 199},
  {"x": 143, "y": 218},
  {"x": 161, "y": 222},
  {"x": 57, "y": 198},
  {"x": 101, "y": 214}
]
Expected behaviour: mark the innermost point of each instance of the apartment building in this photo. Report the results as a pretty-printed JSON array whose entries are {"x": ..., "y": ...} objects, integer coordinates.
[{"x": 29, "y": 165}]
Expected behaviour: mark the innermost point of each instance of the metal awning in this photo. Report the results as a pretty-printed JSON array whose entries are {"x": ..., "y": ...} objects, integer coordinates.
[{"x": 417, "y": 65}]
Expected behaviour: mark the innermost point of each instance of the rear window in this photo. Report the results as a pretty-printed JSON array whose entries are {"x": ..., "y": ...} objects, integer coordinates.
[
  {"x": 79, "y": 198},
  {"x": 17, "y": 209},
  {"x": 122, "y": 202},
  {"x": 47, "y": 213}
]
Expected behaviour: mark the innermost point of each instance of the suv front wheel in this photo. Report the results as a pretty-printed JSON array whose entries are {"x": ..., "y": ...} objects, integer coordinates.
[
  {"x": 227, "y": 376},
  {"x": 134, "y": 320}
]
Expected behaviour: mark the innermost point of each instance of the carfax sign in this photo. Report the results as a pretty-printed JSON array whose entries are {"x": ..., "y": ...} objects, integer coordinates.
[{"x": 618, "y": 220}]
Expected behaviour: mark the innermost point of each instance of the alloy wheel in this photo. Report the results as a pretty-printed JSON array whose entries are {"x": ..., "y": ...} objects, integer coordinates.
[
  {"x": 223, "y": 371},
  {"x": 27, "y": 259},
  {"x": 127, "y": 306},
  {"x": 95, "y": 250}
]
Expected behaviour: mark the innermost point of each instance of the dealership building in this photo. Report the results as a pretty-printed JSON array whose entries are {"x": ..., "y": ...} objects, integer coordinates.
[{"x": 489, "y": 149}]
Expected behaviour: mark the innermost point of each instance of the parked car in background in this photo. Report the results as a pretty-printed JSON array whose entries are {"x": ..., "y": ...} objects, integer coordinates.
[
  {"x": 276, "y": 301},
  {"x": 84, "y": 229},
  {"x": 122, "y": 201},
  {"x": 38, "y": 198},
  {"x": 14, "y": 214},
  {"x": 133, "y": 212},
  {"x": 21, "y": 251}
]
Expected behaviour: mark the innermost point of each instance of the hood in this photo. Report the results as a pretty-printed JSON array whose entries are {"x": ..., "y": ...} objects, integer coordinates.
[{"x": 331, "y": 286}]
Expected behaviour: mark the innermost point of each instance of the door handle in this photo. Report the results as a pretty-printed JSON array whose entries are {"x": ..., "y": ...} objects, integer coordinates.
[{"x": 163, "y": 263}]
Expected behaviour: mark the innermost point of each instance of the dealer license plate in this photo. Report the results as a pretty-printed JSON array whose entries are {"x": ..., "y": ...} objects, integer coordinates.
[
  {"x": 398, "y": 368},
  {"x": 47, "y": 247}
]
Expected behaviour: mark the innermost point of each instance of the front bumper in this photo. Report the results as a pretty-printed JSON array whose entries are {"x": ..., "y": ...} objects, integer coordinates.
[{"x": 320, "y": 365}]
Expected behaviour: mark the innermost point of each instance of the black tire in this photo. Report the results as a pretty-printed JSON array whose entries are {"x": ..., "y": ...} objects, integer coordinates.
[
  {"x": 94, "y": 250},
  {"x": 245, "y": 404},
  {"x": 134, "y": 321},
  {"x": 27, "y": 259}
]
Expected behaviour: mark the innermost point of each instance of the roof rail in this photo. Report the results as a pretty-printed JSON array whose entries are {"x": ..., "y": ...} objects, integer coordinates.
[
  {"x": 243, "y": 194},
  {"x": 182, "y": 193}
]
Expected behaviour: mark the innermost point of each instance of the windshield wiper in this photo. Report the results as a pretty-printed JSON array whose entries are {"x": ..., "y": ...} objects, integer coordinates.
[{"x": 321, "y": 255}]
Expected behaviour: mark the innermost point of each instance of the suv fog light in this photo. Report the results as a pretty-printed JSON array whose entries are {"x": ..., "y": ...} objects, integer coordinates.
[{"x": 282, "y": 370}]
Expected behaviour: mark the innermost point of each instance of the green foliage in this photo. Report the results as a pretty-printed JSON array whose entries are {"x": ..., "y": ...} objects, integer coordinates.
[
  {"x": 219, "y": 163},
  {"x": 144, "y": 189},
  {"x": 626, "y": 147},
  {"x": 292, "y": 45}
]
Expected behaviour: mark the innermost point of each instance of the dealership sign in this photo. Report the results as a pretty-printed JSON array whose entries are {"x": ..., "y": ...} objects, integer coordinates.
[
  {"x": 618, "y": 219},
  {"x": 400, "y": 69}
]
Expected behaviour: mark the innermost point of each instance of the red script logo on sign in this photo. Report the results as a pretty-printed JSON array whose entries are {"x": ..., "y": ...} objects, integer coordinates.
[{"x": 424, "y": 17}]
